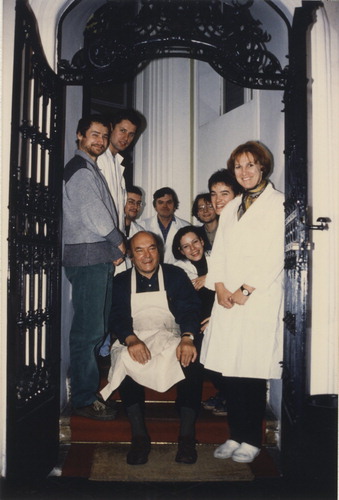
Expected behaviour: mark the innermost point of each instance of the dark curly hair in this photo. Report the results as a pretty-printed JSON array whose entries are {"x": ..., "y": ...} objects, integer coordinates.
[
  {"x": 176, "y": 240},
  {"x": 225, "y": 177},
  {"x": 129, "y": 114},
  {"x": 159, "y": 193},
  {"x": 86, "y": 121},
  {"x": 203, "y": 196}
]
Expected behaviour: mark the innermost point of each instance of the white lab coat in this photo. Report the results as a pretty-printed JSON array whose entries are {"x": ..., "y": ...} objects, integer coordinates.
[
  {"x": 134, "y": 229},
  {"x": 152, "y": 224},
  {"x": 246, "y": 341},
  {"x": 113, "y": 172},
  {"x": 190, "y": 268}
]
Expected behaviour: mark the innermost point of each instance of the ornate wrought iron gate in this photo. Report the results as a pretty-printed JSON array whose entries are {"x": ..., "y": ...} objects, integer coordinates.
[
  {"x": 34, "y": 257},
  {"x": 122, "y": 37},
  {"x": 294, "y": 404}
]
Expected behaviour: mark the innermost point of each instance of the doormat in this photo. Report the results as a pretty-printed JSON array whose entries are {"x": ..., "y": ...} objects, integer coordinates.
[{"x": 109, "y": 464}]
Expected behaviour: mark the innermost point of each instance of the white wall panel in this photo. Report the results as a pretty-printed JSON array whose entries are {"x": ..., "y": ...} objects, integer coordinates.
[
  {"x": 324, "y": 201},
  {"x": 7, "y": 19},
  {"x": 163, "y": 153},
  {"x": 259, "y": 119}
]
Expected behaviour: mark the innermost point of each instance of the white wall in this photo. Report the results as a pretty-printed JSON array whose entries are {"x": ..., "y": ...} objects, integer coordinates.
[
  {"x": 163, "y": 155},
  {"x": 259, "y": 119},
  {"x": 272, "y": 23},
  {"x": 6, "y": 58},
  {"x": 48, "y": 14},
  {"x": 74, "y": 24},
  {"x": 323, "y": 127}
]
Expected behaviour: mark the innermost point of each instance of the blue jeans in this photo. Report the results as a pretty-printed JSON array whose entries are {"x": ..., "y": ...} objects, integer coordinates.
[{"x": 91, "y": 298}]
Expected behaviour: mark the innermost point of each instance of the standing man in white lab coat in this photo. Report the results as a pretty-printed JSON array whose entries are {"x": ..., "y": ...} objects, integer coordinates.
[
  {"x": 124, "y": 128},
  {"x": 125, "y": 125},
  {"x": 132, "y": 211},
  {"x": 165, "y": 223}
]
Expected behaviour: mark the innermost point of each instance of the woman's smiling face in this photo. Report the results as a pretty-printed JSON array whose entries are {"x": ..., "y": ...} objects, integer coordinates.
[
  {"x": 191, "y": 246},
  {"x": 248, "y": 172},
  {"x": 221, "y": 194}
]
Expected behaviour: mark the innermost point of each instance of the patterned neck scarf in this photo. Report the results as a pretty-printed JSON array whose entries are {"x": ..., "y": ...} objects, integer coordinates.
[{"x": 249, "y": 197}]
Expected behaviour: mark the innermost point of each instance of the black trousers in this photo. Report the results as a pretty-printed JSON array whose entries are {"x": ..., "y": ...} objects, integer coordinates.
[
  {"x": 246, "y": 404},
  {"x": 189, "y": 390}
]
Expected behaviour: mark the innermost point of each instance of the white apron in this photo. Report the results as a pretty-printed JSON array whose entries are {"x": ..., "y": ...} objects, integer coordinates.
[{"x": 155, "y": 325}]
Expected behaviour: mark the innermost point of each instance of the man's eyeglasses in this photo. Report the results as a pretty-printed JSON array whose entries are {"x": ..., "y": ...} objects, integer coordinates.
[
  {"x": 134, "y": 203},
  {"x": 208, "y": 206}
]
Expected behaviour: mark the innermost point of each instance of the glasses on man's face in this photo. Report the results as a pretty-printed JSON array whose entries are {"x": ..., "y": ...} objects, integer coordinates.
[
  {"x": 134, "y": 203},
  {"x": 202, "y": 208}
]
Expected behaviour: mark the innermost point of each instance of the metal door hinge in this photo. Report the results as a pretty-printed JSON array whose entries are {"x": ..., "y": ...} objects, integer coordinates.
[{"x": 322, "y": 226}]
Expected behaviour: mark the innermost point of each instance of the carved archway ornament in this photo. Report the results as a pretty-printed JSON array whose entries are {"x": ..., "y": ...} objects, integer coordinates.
[{"x": 122, "y": 37}]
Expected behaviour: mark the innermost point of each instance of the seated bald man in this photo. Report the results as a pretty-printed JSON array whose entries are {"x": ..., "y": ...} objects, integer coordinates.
[{"x": 155, "y": 316}]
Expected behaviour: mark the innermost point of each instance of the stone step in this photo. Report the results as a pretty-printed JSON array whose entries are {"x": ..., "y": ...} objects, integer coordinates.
[{"x": 162, "y": 423}]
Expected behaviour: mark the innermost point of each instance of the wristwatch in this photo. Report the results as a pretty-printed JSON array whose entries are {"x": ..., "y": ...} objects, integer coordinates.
[
  {"x": 188, "y": 335},
  {"x": 245, "y": 291}
]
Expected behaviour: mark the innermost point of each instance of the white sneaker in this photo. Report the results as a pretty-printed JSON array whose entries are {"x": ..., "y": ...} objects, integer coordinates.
[
  {"x": 227, "y": 449},
  {"x": 245, "y": 453}
]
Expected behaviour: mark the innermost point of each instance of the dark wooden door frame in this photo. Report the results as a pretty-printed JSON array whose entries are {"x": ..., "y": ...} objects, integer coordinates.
[
  {"x": 35, "y": 209},
  {"x": 308, "y": 424}
]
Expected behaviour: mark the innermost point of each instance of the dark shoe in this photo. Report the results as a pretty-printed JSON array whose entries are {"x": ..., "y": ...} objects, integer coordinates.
[
  {"x": 220, "y": 409},
  {"x": 139, "y": 451},
  {"x": 186, "y": 454},
  {"x": 97, "y": 411},
  {"x": 212, "y": 402},
  {"x": 109, "y": 403}
]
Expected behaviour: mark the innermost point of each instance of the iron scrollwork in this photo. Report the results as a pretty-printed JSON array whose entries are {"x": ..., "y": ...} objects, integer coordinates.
[
  {"x": 119, "y": 40},
  {"x": 34, "y": 225}
]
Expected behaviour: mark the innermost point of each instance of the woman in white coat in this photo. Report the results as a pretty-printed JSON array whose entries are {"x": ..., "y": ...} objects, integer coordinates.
[{"x": 244, "y": 338}]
